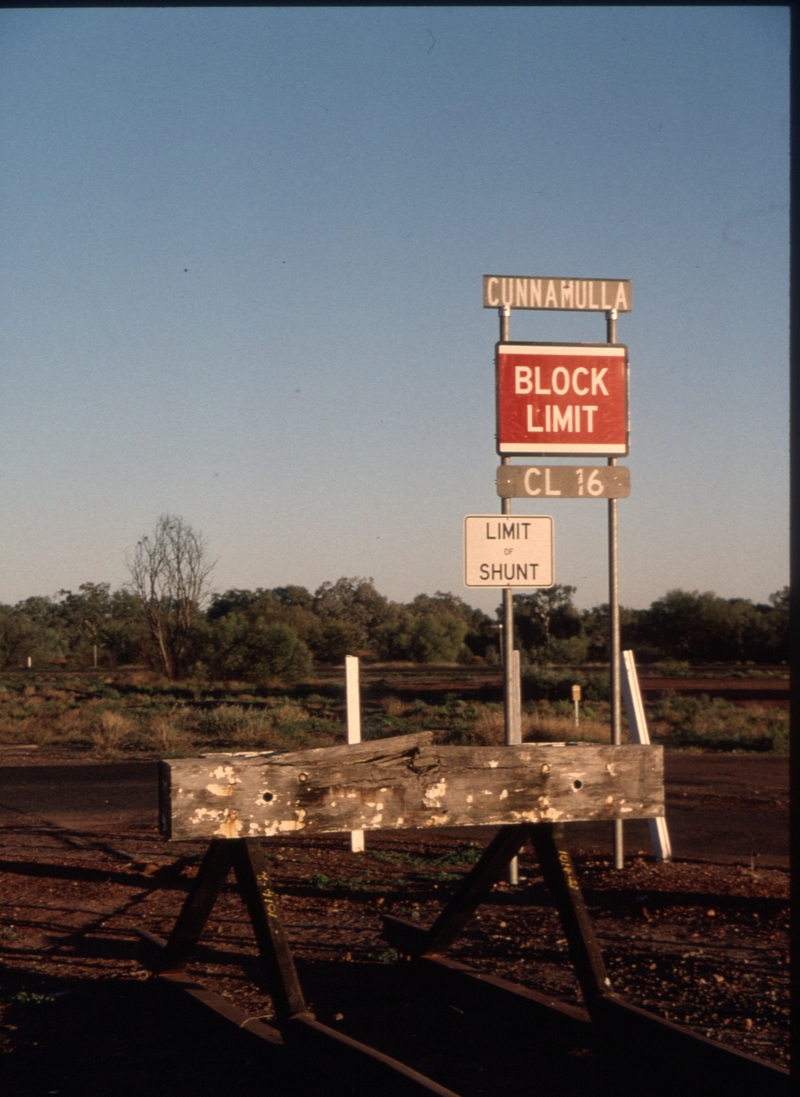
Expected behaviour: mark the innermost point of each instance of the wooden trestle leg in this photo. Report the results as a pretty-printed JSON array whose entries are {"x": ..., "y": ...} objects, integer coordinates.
[
  {"x": 584, "y": 950},
  {"x": 474, "y": 888},
  {"x": 205, "y": 888},
  {"x": 367, "y": 1070},
  {"x": 559, "y": 875},
  {"x": 251, "y": 866}
]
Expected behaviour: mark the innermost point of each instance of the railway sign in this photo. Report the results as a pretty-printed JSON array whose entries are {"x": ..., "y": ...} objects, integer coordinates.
[
  {"x": 569, "y": 294},
  {"x": 564, "y": 481},
  {"x": 508, "y": 551},
  {"x": 565, "y": 398}
]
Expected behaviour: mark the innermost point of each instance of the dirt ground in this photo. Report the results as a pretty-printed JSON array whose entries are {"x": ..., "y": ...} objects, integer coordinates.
[{"x": 703, "y": 940}]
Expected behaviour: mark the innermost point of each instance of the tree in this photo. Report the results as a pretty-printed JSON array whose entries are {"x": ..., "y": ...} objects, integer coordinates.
[
  {"x": 256, "y": 650},
  {"x": 702, "y": 627},
  {"x": 777, "y": 617},
  {"x": 544, "y": 617},
  {"x": 292, "y": 606},
  {"x": 170, "y": 578},
  {"x": 85, "y": 614},
  {"x": 31, "y": 629},
  {"x": 423, "y": 638},
  {"x": 26, "y": 630},
  {"x": 350, "y": 611}
]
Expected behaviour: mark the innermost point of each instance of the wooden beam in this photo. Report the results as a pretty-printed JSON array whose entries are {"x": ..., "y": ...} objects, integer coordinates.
[{"x": 407, "y": 782}]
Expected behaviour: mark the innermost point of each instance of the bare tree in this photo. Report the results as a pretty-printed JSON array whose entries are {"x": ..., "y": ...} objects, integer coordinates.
[{"x": 170, "y": 578}]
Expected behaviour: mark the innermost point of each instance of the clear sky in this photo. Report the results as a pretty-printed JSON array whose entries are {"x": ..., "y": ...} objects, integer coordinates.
[{"x": 241, "y": 254}]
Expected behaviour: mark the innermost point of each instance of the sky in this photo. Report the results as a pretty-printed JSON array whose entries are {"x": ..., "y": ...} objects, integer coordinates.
[{"x": 241, "y": 260}]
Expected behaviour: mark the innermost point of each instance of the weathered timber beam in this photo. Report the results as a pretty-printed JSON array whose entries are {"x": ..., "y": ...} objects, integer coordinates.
[{"x": 407, "y": 782}]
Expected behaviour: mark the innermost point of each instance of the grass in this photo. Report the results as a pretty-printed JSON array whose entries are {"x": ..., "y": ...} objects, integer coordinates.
[
  {"x": 28, "y": 998},
  {"x": 136, "y": 714},
  {"x": 415, "y": 868},
  {"x": 715, "y": 724}
]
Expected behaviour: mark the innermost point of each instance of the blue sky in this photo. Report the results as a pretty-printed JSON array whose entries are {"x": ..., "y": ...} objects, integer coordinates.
[{"x": 241, "y": 254}]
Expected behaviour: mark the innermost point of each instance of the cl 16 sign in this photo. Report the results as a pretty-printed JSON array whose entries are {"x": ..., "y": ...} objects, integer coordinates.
[
  {"x": 567, "y": 481},
  {"x": 506, "y": 551},
  {"x": 568, "y": 398}
]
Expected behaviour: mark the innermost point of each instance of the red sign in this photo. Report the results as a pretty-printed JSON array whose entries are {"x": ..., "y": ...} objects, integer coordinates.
[{"x": 569, "y": 398}]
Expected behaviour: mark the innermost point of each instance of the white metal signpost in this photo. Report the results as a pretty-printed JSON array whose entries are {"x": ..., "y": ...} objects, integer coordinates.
[{"x": 561, "y": 400}]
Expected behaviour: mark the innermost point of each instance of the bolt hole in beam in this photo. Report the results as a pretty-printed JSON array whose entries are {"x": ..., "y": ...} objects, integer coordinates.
[
  {"x": 577, "y": 784},
  {"x": 268, "y": 796}
]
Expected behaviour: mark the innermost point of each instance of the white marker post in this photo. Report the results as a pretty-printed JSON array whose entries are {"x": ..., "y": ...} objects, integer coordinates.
[
  {"x": 659, "y": 835},
  {"x": 516, "y": 700},
  {"x": 353, "y": 698},
  {"x": 576, "y": 700},
  {"x": 511, "y": 686}
]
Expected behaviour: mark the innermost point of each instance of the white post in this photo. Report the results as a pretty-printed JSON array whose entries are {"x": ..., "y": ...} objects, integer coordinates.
[
  {"x": 634, "y": 706},
  {"x": 514, "y": 736},
  {"x": 353, "y": 698},
  {"x": 516, "y": 701},
  {"x": 576, "y": 700},
  {"x": 614, "y": 620}
]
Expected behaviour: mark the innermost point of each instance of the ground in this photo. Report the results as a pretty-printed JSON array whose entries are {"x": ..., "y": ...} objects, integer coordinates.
[{"x": 703, "y": 940}]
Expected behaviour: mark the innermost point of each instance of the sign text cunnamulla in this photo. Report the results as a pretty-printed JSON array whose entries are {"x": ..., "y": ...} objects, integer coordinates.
[{"x": 562, "y": 294}]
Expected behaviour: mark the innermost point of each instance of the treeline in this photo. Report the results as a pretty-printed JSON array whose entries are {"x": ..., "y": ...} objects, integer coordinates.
[
  {"x": 278, "y": 634},
  {"x": 682, "y": 625}
]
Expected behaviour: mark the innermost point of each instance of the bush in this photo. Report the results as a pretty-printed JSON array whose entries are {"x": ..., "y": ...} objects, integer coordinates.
[
  {"x": 424, "y": 638},
  {"x": 285, "y": 725},
  {"x": 551, "y": 684},
  {"x": 110, "y": 732},
  {"x": 674, "y": 668},
  {"x": 267, "y": 653},
  {"x": 572, "y": 650},
  {"x": 719, "y": 725},
  {"x": 280, "y": 655}
]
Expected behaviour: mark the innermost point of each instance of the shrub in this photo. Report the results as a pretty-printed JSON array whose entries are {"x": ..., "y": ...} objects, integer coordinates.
[
  {"x": 110, "y": 732},
  {"x": 424, "y": 638},
  {"x": 719, "y": 725},
  {"x": 489, "y": 728},
  {"x": 552, "y": 684},
  {"x": 168, "y": 736},
  {"x": 232, "y": 725},
  {"x": 281, "y": 655},
  {"x": 267, "y": 653},
  {"x": 674, "y": 668}
]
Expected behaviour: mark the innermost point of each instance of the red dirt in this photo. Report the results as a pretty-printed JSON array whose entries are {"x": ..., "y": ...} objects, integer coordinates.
[{"x": 703, "y": 942}]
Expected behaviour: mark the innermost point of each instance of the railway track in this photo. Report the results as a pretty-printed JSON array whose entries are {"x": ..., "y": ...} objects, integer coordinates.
[{"x": 525, "y": 1031}]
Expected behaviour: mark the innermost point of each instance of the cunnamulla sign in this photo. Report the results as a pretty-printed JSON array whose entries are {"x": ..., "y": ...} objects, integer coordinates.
[
  {"x": 567, "y": 294},
  {"x": 508, "y": 551},
  {"x": 567, "y": 398}
]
